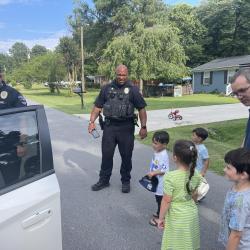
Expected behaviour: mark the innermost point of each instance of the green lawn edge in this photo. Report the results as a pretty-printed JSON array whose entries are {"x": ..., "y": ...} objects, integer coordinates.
[{"x": 71, "y": 104}]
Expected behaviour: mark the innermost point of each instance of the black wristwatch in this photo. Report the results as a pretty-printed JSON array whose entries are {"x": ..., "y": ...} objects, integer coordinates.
[{"x": 144, "y": 127}]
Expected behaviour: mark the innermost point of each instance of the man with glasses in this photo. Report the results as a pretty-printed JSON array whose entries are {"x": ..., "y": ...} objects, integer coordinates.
[
  {"x": 9, "y": 97},
  {"x": 241, "y": 89}
]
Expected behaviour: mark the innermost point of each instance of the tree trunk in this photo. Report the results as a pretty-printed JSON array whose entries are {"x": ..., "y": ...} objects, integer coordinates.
[{"x": 141, "y": 86}]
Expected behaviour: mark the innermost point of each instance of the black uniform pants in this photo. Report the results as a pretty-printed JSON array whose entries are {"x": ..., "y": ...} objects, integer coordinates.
[{"x": 121, "y": 134}]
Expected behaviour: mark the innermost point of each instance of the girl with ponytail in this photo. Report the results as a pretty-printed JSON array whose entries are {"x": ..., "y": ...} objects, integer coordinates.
[{"x": 179, "y": 214}]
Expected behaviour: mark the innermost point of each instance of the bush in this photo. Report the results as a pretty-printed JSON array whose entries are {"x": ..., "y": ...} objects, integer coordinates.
[{"x": 27, "y": 85}]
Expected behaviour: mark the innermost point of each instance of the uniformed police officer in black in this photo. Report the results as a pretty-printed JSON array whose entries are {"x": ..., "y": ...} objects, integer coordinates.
[
  {"x": 9, "y": 97},
  {"x": 118, "y": 100}
]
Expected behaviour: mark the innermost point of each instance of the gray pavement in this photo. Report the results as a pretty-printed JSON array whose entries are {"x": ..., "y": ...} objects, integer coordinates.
[{"x": 108, "y": 219}]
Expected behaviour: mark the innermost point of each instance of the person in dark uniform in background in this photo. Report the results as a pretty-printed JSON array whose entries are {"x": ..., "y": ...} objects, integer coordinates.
[
  {"x": 9, "y": 144},
  {"x": 118, "y": 100},
  {"x": 9, "y": 97}
]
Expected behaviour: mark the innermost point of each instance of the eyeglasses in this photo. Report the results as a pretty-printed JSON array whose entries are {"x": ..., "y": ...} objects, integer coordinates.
[{"x": 240, "y": 92}]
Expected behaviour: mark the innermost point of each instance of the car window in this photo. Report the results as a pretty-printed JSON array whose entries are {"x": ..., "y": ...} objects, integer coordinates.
[{"x": 19, "y": 148}]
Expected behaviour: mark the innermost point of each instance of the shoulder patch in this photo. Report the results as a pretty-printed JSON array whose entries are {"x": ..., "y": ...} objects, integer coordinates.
[{"x": 4, "y": 94}]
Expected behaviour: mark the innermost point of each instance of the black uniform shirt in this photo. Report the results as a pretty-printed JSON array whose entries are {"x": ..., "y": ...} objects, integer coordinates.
[
  {"x": 135, "y": 96},
  {"x": 11, "y": 98}
]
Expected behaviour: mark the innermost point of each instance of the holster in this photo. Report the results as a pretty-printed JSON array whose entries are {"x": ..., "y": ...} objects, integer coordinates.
[
  {"x": 135, "y": 116},
  {"x": 101, "y": 121}
]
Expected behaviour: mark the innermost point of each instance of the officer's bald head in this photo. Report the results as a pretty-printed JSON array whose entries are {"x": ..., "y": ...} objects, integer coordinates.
[{"x": 121, "y": 73}]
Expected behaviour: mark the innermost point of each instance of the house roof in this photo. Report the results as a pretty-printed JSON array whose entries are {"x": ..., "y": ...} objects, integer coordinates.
[{"x": 222, "y": 63}]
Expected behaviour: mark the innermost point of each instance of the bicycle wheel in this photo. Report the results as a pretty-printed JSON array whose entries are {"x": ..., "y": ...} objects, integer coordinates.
[{"x": 170, "y": 116}]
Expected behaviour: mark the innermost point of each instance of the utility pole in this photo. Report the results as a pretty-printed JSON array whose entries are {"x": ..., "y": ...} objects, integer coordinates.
[{"x": 83, "y": 81}]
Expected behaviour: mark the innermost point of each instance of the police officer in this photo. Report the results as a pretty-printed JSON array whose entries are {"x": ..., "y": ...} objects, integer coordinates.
[
  {"x": 9, "y": 97},
  {"x": 118, "y": 100}
]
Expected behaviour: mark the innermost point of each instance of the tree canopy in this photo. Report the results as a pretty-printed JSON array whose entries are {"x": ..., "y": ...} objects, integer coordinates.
[
  {"x": 150, "y": 53},
  {"x": 155, "y": 40}
]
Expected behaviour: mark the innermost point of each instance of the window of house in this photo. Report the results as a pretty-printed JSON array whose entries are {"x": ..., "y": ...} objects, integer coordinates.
[
  {"x": 206, "y": 78},
  {"x": 230, "y": 74}
]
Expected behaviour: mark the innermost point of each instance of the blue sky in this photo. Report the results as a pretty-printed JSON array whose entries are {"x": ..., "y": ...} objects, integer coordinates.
[{"x": 38, "y": 21}]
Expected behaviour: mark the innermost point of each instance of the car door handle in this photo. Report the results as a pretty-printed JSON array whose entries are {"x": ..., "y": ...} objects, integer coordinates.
[{"x": 36, "y": 218}]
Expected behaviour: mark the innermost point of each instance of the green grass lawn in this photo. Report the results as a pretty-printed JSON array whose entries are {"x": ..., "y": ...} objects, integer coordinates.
[
  {"x": 223, "y": 136},
  {"x": 72, "y": 104},
  {"x": 63, "y": 101},
  {"x": 188, "y": 101}
]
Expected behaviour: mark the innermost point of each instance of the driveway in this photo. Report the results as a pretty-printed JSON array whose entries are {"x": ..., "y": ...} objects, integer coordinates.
[{"x": 158, "y": 119}]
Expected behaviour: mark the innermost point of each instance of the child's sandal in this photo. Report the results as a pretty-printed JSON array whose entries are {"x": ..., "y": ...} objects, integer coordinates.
[{"x": 153, "y": 222}]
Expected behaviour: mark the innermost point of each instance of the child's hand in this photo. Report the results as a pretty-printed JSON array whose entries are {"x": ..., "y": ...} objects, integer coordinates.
[
  {"x": 160, "y": 223},
  {"x": 203, "y": 173},
  {"x": 150, "y": 174}
]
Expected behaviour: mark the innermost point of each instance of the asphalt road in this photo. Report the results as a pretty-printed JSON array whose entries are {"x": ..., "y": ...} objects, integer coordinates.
[{"x": 109, "y": 219}]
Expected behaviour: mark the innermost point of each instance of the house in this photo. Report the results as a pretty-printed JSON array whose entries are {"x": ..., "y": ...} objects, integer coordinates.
[
  {"x": 217, "y": 74},
  {"x": 97, "y": 80}
]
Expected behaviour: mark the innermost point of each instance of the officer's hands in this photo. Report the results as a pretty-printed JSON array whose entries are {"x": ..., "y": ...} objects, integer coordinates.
[
  {"x": 143, "y": 133},
  {"x": 150, "y": 174},
  {"x": 91, "y": 127}
]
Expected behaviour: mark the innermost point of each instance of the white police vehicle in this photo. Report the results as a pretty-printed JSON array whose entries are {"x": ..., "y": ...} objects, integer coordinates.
[{"x": 29, "y": 191}]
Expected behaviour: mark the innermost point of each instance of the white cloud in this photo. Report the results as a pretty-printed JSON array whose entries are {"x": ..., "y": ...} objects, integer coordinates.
[
  {"x": 5, "y": 2},
  {"x": 49, "y": 42}
]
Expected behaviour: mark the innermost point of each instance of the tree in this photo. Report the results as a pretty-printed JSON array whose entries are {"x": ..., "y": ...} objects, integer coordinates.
[
  {"x": 45, "y": 68},
  {"x": 38, "y": 50},
  {"x": 227, "y": 22},
  {"x": 149, "y": 53},
  {"x": 70, "y": 51},
  {"x": 6, "y": 63},
  {"x": 191, "y": 31},
  {"x": 112, "y": 18},
  {"x": 19, "y": 52}
]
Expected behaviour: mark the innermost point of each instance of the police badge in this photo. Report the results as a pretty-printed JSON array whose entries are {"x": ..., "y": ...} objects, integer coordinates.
[
  {"x": 126, "y": 90},
  {"x": 4, "y": 94}
]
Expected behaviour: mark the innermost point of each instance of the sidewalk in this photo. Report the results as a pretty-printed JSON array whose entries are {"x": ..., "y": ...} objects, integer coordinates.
[{"x": 158, "y": 119}]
